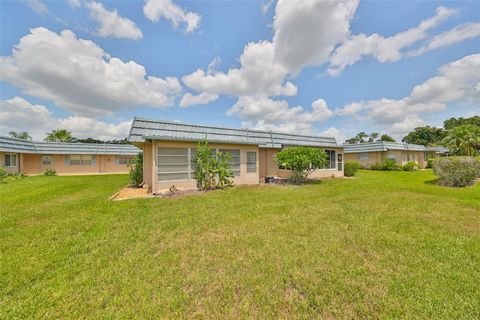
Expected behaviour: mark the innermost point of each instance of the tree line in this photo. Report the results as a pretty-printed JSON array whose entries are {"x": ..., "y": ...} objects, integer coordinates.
[{"x": 63, "y": 135}]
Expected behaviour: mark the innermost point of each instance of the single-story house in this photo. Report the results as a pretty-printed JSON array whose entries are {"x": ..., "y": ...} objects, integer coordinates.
[
  {"x": 169, "y": 149},
  {"x": 34, "y": 157},
  {"x": 370, "y": 153}
]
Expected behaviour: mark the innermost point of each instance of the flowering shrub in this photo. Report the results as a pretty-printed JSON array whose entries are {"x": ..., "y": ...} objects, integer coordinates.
[{"x": 457, "y": 172}]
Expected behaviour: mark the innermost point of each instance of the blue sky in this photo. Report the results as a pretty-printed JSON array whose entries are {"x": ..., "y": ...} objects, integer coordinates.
[{"x": 317, "y": 67}]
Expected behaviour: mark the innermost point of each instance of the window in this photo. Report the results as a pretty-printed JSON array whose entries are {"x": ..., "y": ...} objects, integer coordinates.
[
  {"x": 10, "y": 160},
  {"x": 47, "y": 160},
  {"x": 235, "y": 162},
  {"x": 391, "y": 156},
  {"x": 363, "y": 156},
  {"x": 330, "y": 159},
  {"x": 124, "y": 160},
  {"x": 175, "y": 164},
  {"x": 80, "y": 160},
  {"x": 251, "y": 161}
]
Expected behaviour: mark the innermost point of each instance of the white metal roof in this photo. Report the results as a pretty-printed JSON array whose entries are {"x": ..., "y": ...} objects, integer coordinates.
[
  {"x": 8, "y": 144},
  {"x": 381, "y": 146},
  {"x": 147, "y": 129}
]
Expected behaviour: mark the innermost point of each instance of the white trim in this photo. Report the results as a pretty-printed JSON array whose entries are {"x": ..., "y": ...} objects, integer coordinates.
[{"x": 16, "y": 160}]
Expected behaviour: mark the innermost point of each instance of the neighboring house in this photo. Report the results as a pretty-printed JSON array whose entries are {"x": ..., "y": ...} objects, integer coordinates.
[
  {"x": 370, "y": 153},
  {"x": 33, "y": 157},
  {"x": 169, "y": 152}
]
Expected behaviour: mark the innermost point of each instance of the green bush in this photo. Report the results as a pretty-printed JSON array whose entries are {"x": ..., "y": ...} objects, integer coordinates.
[
  {"x": 387, "y": 165},
  {"x": 410, "y": 166},
  {"x": 6, "y": 177},
  {"x": 212, "y": 170},
  {"x": 3, "y": 174},
  {"x": 430, "y": 163},
  {"x": 351, "y": 167},
  {"x": 301, "y": 161},
  {"x": 50, "y": 172},
  {"x": 136, "y": 170},
  {"x": 457, "y": 172}
]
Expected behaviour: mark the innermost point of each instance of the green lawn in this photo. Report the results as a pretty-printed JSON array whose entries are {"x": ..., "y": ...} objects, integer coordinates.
[{"x": 381, "y": 245}]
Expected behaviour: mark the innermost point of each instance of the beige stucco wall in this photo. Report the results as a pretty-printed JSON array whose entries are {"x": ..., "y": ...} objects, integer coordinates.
[
  {"x": 268, "y": 166},
  {"x": 150, "y": 158},
  {"x": 104, "y": 164},
  {"x": 400, "y": 156}
]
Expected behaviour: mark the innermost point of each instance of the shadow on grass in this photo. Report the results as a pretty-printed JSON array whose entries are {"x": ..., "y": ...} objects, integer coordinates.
[{"x": 433, "y": 182}]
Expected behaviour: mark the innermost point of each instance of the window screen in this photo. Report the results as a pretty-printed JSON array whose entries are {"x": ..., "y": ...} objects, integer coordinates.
[
  {"x": 47, "y": 160},
  {"x": 124, "y": 160},
  {"x": 330, "y": 159},
  {"x": 235, "y": 162},
  {"x": 174, "y": 164},
  {"x": 363, "y": 156},
  {"x": 251, "y": 161},
  {"x": 10, "y": 160},
  {"x": 84, "y": 159}
]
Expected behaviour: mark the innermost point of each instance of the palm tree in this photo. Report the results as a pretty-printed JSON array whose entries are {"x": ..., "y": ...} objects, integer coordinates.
[
  {"x": 463, "y": 140},
  {"x": 20, "y": 135},
  {"x": 59, "y": 135}
]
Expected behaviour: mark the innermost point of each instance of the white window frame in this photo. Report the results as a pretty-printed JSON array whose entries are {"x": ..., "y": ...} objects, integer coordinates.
[
  {"x": 256, "y": 160},
  {"x": 10, "y": 155},
  {"x": 239, "y": 170},
  {"x": 190, "y": 172},
  {"x": 69, "y": 160},
  {"x": 363, "y": 156},
  {"x": 45, "y": 157},
  {"x": 129, "y": 158},
  {"x": 329, "y": 152}
]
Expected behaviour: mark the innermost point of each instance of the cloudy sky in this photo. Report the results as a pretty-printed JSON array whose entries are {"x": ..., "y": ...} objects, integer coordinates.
[{"x": 316, "y": 67}]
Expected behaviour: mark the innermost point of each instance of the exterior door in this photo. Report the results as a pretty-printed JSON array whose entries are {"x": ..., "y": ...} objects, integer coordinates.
[{"x": 340, "y": 162}]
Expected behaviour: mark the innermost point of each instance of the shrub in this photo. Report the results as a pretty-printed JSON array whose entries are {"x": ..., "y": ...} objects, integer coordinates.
[
  {"x": 301, "y": 161},
  {"x": 430, "y": 163},
  {"x": 410, "y": 166},
  {"x": 136, "y": 170},
  {"x": 50, "y": 172},
  {"x": 457, "y": 172},
  {"x": 387, "y": 165},
  {"x": 212, "y": 170},
  {"x": 3, "y": 174},
  {"x": 351, "y": 167}
]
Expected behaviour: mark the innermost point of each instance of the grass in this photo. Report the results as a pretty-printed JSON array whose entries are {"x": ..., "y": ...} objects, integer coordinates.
[{"x": 381, "y": 245}]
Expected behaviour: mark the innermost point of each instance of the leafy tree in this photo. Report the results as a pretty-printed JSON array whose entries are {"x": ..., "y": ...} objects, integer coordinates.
[
  {"x": 426, "y": 136},
  {"x": 363, "y": 137},
  {"x": 463, "y": 140},
  {"x": 386, "y": 138},
  {"x": 373, "y": 137},
  {"x": 451, "y": 123},
  {"x": 136, "y": 170},
  {"x": 20, "y": 135},
  {"x": 59, "y": 135},
  {"x": 301, "y": 161}
]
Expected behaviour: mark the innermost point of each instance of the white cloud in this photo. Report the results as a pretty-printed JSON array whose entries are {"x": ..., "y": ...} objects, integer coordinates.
[
  {"x": 456, "y": 82},
  {"x": 157, "y": 9},
  {"x": 17, "y": 114},
  {"x": 286, "y": 127},
  {"x": 80, "y": 76},
  {"x": 449, "y": 37},
  {"x": 75, "y": 3},
  {"x": 38, "y": 6},
  {"x": 266, "y": 5},
  {"x": 383, "y": 49},
  {"x": 263, "y": 108},
  {"x": 339, "y": 136},
  {"x": 111, "y": 24},
  {"x": 306, "y": 32},
  {"x": 189, "y": 99},
  {"x": 258, "y": 74}
]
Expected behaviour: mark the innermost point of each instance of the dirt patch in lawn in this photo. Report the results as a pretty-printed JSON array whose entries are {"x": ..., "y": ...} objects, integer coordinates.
[
  {"x": 181, "y": 193},
  {"x": 131, "y": 193}
]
